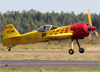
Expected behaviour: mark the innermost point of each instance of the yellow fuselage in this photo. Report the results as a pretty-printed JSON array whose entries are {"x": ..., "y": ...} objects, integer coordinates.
[{"x": 36, "y": 36}]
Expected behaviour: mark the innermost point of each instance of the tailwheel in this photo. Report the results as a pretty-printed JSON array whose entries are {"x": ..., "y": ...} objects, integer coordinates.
[
  {"x": 71, "y": 51},
  {"x": 9, "y": 48},
  {"x": 81, "y": 50}
]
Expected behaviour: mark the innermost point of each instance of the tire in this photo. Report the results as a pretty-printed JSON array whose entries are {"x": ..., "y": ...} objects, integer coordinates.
[
  {"x": 81, "y": 50},
  {"x": 71, "y": 51},
  {"x": 9, "y": 49}
]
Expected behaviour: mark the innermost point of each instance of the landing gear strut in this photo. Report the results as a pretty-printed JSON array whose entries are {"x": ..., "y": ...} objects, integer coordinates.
[
  {"x": 71, "y": 51},
  {"x": 81, "y": 50}
]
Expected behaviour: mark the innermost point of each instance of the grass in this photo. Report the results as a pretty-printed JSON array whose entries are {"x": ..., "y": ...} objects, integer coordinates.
[
  {"x": 50, "y": 70},
  {"x": 54, "y": 45},
  {"x": 47, "y": 56}
]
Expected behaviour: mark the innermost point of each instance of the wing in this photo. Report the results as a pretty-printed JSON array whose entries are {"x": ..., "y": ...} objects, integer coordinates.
[{"x": 63, "y": 35}]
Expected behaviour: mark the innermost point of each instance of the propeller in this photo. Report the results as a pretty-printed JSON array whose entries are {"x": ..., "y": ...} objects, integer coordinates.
[{"x": 91, "y": 28}]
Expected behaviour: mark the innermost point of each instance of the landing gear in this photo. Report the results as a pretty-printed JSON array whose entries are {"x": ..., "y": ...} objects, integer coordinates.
[
  {"x": 81, "y": 50},
  {"x": 71, "y": 51},
  {"x": 9, "y": 48}
]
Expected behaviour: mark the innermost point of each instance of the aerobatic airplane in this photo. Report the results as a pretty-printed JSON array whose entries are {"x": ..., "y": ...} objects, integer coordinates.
[{"x": 12, "y": 38}]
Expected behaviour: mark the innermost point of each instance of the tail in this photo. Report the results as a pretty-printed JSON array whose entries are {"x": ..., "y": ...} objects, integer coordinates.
[{"x": 10, "y": 31}]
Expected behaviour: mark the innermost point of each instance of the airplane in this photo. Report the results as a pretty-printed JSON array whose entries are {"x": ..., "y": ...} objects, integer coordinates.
[{"x": 78, "y": 31}]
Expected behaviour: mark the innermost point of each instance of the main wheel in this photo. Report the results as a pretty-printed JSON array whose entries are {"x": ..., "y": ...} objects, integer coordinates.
[
  {"x": 71, "y": 51},
  {"x": 81, "y": 50}
]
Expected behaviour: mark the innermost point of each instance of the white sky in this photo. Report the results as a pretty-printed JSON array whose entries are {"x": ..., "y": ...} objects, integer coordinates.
[{"x": 44, "y": 6}]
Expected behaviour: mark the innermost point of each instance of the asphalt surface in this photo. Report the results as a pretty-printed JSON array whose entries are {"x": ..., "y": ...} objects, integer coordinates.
[{"x": 49, "y": 64}]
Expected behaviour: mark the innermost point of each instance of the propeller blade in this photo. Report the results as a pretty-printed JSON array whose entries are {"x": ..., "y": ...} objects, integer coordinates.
[
  {"x": 96, "y": 33},
  {"x": 90, "y": 35},
  {"x": 89, "y": 18}
]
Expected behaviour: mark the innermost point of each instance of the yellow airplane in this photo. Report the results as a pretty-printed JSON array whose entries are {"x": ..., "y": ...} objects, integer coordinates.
[{"x": 12, "y": 38}]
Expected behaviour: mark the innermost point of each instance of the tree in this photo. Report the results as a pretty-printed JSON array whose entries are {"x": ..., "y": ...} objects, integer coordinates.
[{"x": 34, "y": 19}]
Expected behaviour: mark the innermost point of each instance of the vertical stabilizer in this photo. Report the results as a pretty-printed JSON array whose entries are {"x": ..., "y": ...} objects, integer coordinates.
[{"x": 10, "y": 31}]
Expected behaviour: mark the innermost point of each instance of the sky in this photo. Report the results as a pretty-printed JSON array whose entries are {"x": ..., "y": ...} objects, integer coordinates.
[{"x": 77, "y": 6}]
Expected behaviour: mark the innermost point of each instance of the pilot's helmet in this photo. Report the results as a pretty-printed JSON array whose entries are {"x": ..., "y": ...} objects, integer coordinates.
[{"x": 44, "y": 27}]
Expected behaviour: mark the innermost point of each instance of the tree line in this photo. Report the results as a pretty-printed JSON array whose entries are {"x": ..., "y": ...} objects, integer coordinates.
[{"x": 34, "y": 19}]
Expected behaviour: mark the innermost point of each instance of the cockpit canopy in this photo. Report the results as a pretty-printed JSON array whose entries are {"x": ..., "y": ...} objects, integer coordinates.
[{"x": 48, "y": 27}]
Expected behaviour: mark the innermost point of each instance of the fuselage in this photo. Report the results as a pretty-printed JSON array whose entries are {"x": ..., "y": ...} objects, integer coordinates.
[{"x": 79, "y": 31}]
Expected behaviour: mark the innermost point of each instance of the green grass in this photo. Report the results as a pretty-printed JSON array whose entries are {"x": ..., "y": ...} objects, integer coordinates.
[{"x": 50, "y": 70}]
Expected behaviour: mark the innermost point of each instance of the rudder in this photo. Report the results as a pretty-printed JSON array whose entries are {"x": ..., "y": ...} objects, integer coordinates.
[{"x": 10, "y": 31}]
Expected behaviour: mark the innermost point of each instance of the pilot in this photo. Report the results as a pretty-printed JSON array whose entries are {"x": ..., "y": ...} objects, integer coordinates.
[{"x": 45, "y": 28}]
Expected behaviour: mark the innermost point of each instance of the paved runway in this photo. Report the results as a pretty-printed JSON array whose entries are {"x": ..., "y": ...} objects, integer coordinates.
[{"x": 50, "y": 64}]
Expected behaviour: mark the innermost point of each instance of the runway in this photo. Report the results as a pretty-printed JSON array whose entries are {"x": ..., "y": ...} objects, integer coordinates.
[{"x": 49, "y": 64}]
